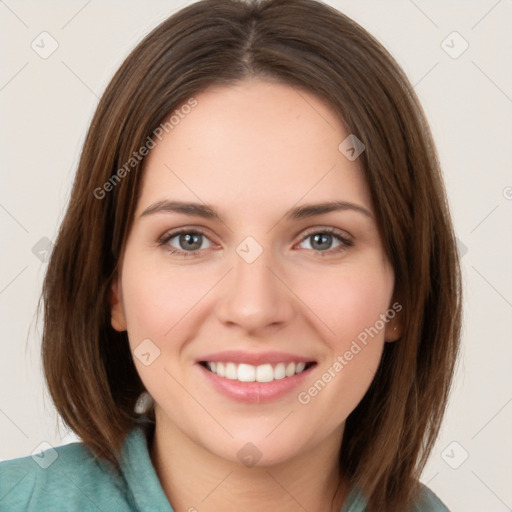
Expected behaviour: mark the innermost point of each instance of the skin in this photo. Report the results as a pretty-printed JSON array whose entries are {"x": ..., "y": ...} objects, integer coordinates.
[{"x": 253, "y": 151}]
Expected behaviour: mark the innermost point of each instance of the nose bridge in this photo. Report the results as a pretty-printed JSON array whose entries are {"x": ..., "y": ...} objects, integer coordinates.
[{"x": 254, "y": 297}]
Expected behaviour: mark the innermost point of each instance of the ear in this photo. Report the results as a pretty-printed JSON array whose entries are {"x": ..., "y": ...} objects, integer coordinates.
[
  {"x": 117, "y": 316},
  {"x": 394, "y": 326}
]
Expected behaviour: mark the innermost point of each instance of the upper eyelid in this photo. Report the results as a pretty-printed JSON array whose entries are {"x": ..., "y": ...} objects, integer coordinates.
[{"x": 330, "y": 230}]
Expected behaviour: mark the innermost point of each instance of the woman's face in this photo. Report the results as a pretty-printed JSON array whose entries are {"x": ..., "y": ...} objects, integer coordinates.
[{"x": 252, "y": 278}]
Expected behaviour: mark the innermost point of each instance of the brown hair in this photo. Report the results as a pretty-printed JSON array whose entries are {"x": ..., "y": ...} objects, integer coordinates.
[{"x": 306, "y": 44}]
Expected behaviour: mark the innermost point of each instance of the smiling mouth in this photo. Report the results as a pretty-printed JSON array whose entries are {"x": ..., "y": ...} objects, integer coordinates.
[{"x": 262, "y": 373}]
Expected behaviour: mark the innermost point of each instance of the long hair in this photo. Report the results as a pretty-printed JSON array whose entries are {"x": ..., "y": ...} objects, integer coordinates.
[{"x": 305, "y": 44}]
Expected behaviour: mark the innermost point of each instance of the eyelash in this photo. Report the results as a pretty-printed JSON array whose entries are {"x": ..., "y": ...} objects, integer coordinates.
[{"x": 346, "y": 243}]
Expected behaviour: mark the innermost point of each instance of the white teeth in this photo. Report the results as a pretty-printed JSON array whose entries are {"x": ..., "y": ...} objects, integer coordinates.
[
  {"x": 264, "y": 373},
  {"x": 246, "y": 373},
  {"x": 231, "y": 371},
  {"x": 280, "y": 371},
  {"x": 249, "y": 373}
]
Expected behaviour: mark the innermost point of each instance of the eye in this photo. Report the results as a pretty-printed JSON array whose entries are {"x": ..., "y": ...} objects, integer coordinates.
[
  {"x": 322, "y": 241},
  {"x": 185, "y": 242}
]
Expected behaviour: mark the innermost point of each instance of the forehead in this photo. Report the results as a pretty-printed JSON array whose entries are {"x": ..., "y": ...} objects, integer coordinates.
[{"x": 251, "y": 145}]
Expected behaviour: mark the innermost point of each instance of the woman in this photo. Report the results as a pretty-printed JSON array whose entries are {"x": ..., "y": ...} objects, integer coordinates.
[{"x": 254, "y": 299}]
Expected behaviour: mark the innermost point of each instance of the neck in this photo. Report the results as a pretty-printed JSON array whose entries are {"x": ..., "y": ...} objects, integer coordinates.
[{"x": 194, "y": 479}]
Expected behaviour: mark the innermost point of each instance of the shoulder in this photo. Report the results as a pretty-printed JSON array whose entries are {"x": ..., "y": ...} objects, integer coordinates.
[
  {"x": 428, "y": 502},
  {"x": 67, "y": 477}
]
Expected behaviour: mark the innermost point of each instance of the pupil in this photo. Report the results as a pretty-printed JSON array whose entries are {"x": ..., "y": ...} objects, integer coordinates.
[
  {"x": 322, "y": 239},
  {"x": 190, "y": 241}
]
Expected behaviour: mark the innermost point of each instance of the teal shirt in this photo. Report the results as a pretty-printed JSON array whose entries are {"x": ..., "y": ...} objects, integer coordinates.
[{"x": 70, "y": 478}]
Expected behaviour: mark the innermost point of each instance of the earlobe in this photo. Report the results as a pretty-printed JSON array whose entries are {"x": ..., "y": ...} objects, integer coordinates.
[
  {"x": 117, "y": 316},
  {"x": 393, "y": 331}
]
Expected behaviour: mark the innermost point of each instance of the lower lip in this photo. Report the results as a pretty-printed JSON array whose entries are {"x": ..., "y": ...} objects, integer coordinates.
[{"x": 255, "y": 392}]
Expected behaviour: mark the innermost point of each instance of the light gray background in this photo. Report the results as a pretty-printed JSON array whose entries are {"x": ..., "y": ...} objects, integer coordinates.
[{"x": 46, "y": 105}]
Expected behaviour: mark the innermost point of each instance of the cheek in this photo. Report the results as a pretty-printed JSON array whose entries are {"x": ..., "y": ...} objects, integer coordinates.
[
  {"x": 159, "y": 302},
  {"x": 156, "y": 299},
  {"x": 348, "y": 304},
  {"x": 351, "y": 305},
  {"x": 349, "y": 300}
]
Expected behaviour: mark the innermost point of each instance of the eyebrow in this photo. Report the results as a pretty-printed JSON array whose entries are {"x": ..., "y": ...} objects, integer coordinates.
[{"x": 296, "y": 213}]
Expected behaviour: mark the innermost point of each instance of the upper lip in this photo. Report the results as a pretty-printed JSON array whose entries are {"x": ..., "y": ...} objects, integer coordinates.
[{"x": 254, "y": 358}]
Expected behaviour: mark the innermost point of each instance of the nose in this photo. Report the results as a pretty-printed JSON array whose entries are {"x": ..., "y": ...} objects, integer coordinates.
[{"x": 255, "y": 297}]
